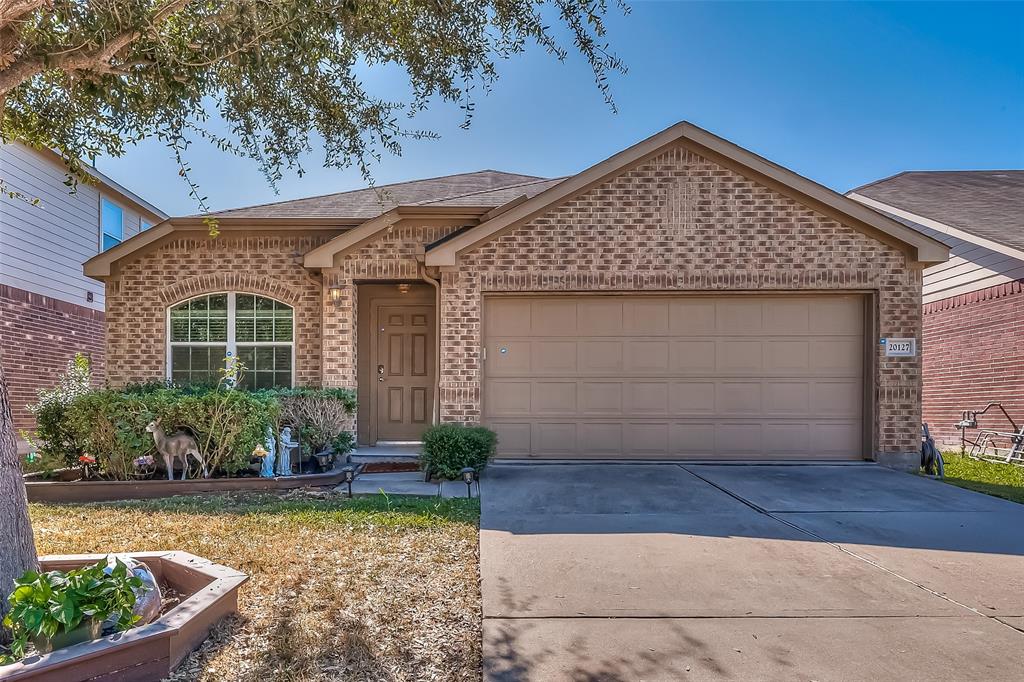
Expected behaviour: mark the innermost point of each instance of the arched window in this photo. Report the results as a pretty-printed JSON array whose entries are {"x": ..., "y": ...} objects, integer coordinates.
[{"x": 205, "y": 330}]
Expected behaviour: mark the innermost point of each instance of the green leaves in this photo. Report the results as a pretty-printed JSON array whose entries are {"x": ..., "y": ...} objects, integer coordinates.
[
  {"x": 284, "y": 75},
  {"x": 42, "y": 605}
]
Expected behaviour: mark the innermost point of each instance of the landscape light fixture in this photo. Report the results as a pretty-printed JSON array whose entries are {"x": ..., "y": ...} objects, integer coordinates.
[
  {"x": 468, "y": 475},
  {"x": 350, "y": 475}
]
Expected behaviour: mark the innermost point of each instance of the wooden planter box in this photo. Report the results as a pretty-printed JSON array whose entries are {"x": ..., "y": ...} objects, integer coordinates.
[
  {"x": 110, "y": 491},
  {"x": 209, "y": 592}
]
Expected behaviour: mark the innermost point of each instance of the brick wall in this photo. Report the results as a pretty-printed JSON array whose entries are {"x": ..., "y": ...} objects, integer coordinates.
[
  {"x": 681, "y": 222},
  {"x": 39, "y": 335},
  {"x": 973, "y": 352},
  {"x": 140, "y": 293}
]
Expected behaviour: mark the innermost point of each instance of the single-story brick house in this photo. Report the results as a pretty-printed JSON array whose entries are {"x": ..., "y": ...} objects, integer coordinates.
[
  {"x": 684, "y": 298},
  {"x": 973, "y": 317}
]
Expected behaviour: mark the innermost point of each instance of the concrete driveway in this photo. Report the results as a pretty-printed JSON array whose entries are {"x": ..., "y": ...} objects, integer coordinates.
[{"x": 666, "y": 572}]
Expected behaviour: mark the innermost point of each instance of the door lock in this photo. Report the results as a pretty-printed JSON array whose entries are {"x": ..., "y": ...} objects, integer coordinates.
[{"x": 380, "y": 372}]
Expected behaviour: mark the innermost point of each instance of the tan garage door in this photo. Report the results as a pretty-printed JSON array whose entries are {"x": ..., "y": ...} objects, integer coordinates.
[{"x": 740, "y": 377}]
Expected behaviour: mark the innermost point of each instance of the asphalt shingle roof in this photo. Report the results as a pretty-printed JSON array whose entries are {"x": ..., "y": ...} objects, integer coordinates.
[
  {"x": 481, "y": 188},
  {"x": 988, "y": 204}
]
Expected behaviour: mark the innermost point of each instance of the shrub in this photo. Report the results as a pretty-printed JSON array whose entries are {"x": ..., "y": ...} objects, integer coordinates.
[
  {"x": 448, "y": 448},
  {"x": 58, "y": 444},
  {"x": 322, "y": 415}
]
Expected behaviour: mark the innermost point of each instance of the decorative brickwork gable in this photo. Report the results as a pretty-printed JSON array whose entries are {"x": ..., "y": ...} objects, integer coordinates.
[
  {"x": 680, "y": 222},
  {"x": 973, "y": 354},
  {"x": 39, "y": 335},
  {"x": 143, "y": 288}
]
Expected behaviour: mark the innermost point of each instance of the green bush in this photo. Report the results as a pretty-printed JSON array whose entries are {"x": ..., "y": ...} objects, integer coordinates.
[{"x": 448, "y": 448}]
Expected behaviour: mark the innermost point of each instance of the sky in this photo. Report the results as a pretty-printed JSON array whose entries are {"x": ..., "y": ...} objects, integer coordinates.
[{"x": 842, "y": 93}]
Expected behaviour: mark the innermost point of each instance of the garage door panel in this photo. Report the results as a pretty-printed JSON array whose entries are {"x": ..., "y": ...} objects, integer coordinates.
[
  {"x": 646, "y": 439},
  {"x": 831, "y": 398},
  {"x": 647, "y": 397},
  {"x": 787, "y": 316},
  {"x": 842, "y": 356},
  {"x": 599, "y": 317},
  {"x": 555, "y": 439},
  {"x": 646, "y": 317},
  {"x": 600, "y": 439},
  {"x": 514, "y": 438},
  {"x": 508, "y": 397},
  {"x": 692, "y": 439},
  {"x": 554, "y": 397},
  {"x": 837, "y": 315},
  {"x": 738, "y": 438},
  {"x": 600, "y": 357},
  {"x": 788, "y": 398},
  {"x": 692, "y": 357},
  {"x": 787, "y": 439},
  {"x": 691, "y": 317},
  {"x": 692, "y": 398},
  {"x": 739, "y": 315},
  {"x": 645, "y": 357},
  {"x": 600, "y": 398},
  {"x": 787, "y": 356},
  {"x": 735, "y": 356},
  {"x": 507, "y": 317},
  {"x": 553, "y": 317},
  {"x": 731, "y": 376},
  {"x": 738, "y": 398},
  {"x": 553, "y": 357},
  {"x": 507, "y": 358}
]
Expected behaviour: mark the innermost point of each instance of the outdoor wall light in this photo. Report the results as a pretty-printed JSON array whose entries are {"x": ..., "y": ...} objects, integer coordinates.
[
  {"x": 468, "y": 476},
  {"x": 335, "y": 294},
  {"x": 403, "y": 288},
  {"x": 349, "y": 473}
]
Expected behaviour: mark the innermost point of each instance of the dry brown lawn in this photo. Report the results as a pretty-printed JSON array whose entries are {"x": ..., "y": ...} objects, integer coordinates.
[{"x": 365, "y": 589}]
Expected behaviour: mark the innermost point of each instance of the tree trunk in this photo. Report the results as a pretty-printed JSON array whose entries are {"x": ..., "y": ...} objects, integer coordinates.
[{"x": 17, "y": 548}]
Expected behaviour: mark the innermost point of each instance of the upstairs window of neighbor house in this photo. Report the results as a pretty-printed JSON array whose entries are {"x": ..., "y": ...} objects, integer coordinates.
[
  {"x": 111, "y": 224},
  {"x": 206, "y": 330},
  {"x": 144, "y": 225}
]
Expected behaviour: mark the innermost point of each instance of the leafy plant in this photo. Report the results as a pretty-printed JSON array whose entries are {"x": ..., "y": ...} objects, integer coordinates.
[
  {"x": 448, "y": 448},
  {"x": 324, "y": 416},
  {"x": 45, "y": 604},
  {"x": 54, "y": 441}
]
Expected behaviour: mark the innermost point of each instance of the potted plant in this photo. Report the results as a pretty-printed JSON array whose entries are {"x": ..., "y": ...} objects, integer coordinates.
[{"x": 54, "y": 609}]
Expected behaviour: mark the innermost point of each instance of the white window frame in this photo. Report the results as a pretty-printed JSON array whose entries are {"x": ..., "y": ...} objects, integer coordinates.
[
  {"x": 144, "y": 224},
  {"x": 102, "y": 232},
  {"x": 231, "y": 345}
]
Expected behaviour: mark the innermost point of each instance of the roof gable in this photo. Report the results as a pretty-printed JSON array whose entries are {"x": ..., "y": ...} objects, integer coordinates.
[{"x": 921, "y": 247}]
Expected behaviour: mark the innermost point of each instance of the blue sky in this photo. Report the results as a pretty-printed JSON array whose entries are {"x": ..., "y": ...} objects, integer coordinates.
[{"x": 843, "y": 93}]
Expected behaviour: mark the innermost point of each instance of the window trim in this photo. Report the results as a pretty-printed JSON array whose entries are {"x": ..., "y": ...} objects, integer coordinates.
[
  {"x": 102, "y": 232},
  {"x": 231, "y": 345},
  {"x": 144, "y": 224}
]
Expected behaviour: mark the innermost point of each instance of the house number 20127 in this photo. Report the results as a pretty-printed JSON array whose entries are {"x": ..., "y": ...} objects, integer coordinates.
[{"x": 897, "y": 348}]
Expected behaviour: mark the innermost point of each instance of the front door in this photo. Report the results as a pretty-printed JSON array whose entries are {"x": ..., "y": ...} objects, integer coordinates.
[{"x": 403, "y": 374}]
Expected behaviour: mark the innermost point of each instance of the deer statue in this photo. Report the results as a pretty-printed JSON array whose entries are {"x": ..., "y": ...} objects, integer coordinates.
[{"x": 178, "y": 446}]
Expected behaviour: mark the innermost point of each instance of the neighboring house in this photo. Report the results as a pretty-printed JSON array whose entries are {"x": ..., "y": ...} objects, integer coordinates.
[
  {"x": 49, "y": 310},
  {"x": 683, "y": 298},
  {"x": 974, "y": 303}
]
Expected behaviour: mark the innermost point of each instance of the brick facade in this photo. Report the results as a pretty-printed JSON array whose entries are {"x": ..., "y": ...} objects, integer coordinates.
[
  {"x": 973, "y": 354},
  {"x": 39, "y": 335},
  {"x": 677, "y": 222},
  {"x": 183, "y": 267},
  {"x": 680, "y": 222}
]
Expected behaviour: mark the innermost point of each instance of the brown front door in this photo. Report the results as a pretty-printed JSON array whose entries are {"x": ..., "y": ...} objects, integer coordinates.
[{"x": 403, "y": 374}]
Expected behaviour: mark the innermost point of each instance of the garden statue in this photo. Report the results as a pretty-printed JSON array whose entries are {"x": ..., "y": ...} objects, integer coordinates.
[
  {"x": 267, "y": 470},
  {"x": 148, "y": 599},
  {"x": 286, "y": 444},
  {"x": 178, "y": 446}
]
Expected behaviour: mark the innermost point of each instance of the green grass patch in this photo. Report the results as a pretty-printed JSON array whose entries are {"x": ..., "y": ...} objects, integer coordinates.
[{"x": 1000, "y": 480}]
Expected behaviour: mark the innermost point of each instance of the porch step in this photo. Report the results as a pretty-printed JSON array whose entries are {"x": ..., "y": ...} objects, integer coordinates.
[{"x": 386, "y": 453}]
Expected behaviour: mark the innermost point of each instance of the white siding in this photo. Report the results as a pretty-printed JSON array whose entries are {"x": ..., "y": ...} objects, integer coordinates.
[
  {"x": 970, "y": 267},
  {"x": 42, "y": 247}
]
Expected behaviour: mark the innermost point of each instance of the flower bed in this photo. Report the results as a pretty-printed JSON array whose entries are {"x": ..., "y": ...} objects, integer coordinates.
[{"x": 208, "y": 592}]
